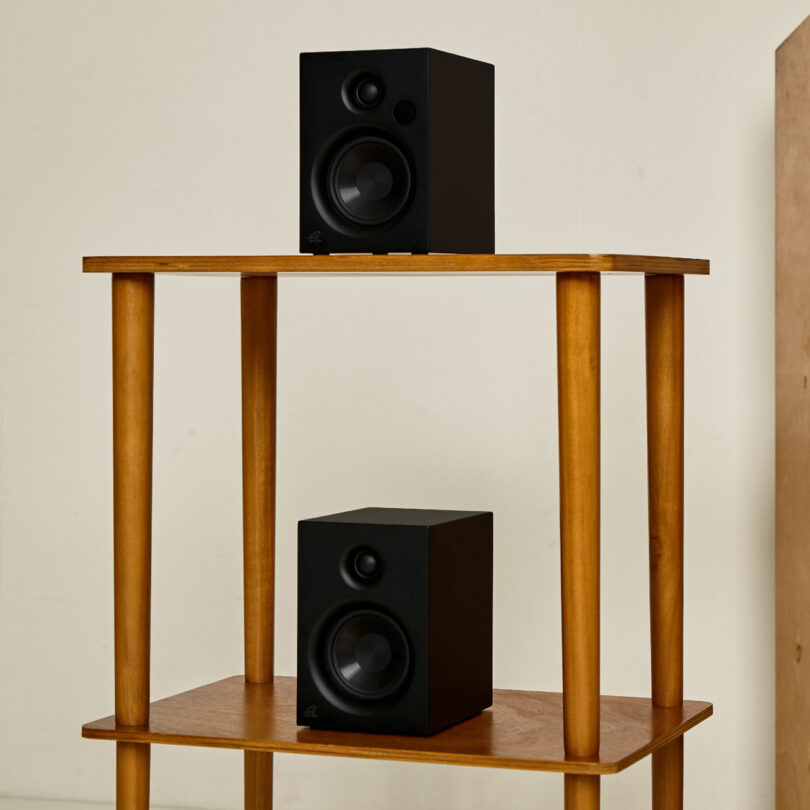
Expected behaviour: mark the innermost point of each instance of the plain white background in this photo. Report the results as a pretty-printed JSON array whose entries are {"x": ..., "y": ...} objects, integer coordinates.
[{"x": 171, "y": 127}]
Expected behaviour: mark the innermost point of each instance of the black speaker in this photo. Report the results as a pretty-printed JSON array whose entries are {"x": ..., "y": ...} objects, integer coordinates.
[
  {"x": 397, "y": 152},
  {"x": 394, "y": 619}
]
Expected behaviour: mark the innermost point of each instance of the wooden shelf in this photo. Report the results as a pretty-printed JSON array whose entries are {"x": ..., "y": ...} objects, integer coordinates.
[
  {"x": 595, "y": 735},
  {"x": 522, "y": 730},
  {"x": 432, "y": 263}
]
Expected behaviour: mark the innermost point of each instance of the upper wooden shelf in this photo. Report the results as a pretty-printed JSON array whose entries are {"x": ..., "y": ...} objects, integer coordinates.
[
  {"x": 431, "y": 263},
  {"x": 522, "y": 730}
]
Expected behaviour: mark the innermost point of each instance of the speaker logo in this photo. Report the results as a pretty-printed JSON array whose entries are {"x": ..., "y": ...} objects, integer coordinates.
[
  {"x": 315, "y": 238},
  {"x": 311, "y": 712}
]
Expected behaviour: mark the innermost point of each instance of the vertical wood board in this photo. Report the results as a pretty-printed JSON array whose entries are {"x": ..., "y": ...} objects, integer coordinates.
[{"x": 793, "y": 420}]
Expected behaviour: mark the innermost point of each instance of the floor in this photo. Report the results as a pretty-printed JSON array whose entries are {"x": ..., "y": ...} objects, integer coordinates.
[{"x": 10, "y": 803}]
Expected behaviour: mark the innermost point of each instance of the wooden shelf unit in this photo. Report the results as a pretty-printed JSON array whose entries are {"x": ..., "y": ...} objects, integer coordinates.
[{"x": 577, "y": 732}]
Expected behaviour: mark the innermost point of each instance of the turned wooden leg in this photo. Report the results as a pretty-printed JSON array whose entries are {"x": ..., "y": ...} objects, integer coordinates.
[
  {"x": 132, "y": 776},
  {"x": 258, "y": 312},
  {"x": 581, "y": 792},
  {"x": 664, "y": 307},
  {"x": 578, "y": 366},
  {"x": 667, "y": 776},
  {"x": 258, "y": 780},
  {"x": 133, "y": 298}
]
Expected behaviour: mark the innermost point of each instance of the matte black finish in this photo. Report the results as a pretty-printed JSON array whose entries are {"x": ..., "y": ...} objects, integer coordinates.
[
  {"x": 394, "y": 619},
  {"x": 397, "y": 152}
]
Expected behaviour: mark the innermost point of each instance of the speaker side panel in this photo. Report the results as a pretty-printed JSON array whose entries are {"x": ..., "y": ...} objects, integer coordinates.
[
  {"x": 462, "y": 154},
  {"x": 461, "y": 554}
]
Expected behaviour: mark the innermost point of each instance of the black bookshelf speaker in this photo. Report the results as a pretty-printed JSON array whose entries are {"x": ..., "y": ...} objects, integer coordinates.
[
  {"x": 394, "y": 619},
  {"x": 397, "y": 152}
]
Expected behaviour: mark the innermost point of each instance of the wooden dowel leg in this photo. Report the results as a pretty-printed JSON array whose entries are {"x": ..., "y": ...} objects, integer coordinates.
[
  {"x": 258, "y": 780},
  {"x": 258, "y": 313},
  {"x": 581, "y": 792},
  {"x": 578, "y": 380},
  {"x": 664, "y": 308},
  {"x": 667, "y": 776},
  {"x": 133, "y": 363},
  {"x": 132, "y": 776}
]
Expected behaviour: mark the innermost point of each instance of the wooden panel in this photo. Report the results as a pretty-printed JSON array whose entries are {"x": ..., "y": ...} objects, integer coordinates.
[
  {"x": 522, "y": 730},
  {"x": 793, "y": 419},
  {"x": 395, "y": 264}
]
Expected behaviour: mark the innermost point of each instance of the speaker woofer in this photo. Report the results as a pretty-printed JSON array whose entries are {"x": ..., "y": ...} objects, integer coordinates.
[
  {"x": 367, "y": 655},
  {"x": 368, "y": 181}
]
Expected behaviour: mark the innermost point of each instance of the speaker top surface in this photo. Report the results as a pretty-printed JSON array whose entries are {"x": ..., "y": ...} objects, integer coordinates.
[
  {"x": 389, "y": 516},
  {"x": 372, "y": 53}
]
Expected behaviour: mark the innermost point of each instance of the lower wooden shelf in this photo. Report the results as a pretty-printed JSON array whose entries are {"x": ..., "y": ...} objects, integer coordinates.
[{"x": 522, "y": 730}]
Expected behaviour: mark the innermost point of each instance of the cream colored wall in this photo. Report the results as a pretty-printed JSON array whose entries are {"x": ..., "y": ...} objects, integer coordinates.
[{"x": 171, "y": 127}]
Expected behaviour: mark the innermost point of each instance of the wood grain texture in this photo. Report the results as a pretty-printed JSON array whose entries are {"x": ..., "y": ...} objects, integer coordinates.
[
  {"x": 258, "y": 314},
  {"x": 464, "y": 264},
  {"x": 259, "y": 305},
  {"x": 578, "y": 365},
  {"x": 522, "y": 730},
  {"x": 133, "y": 364},
  {"x": 258, "y": 780},
  {"x": 581, "y": 792},
  {"x": 133, "y": 304},
  {"x": 793, "y": 420},
  {"x": 667, "y": 776},
  {"x": 664, "y": 322},
  {"x": 664, "y": 326},
  {"x": 132, "y": 776},
  {"x": 578, "y": 381}
]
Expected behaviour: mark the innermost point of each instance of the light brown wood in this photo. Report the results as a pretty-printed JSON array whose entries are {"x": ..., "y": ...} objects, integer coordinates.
[
  {"x": 577, "y": 733},
  {"x": 133, "y": 352},
  {"x": 578, "y": 376},
  {"x": 664, "y": 325},
  {"x": 472, "y": 264},
  {"x": 667, "y": 776},
  {"x": 522, "y": 730},
  {"x": 664, "y": 313},
  {"x": 578, "y": 363},
  {"x": 792, "y": 419},
  {"x": 258, "y": 780},
  {"x": 581, "y": 792},
  {"x": 132, "y": 776},
  {"x": 258, "y": 315}
]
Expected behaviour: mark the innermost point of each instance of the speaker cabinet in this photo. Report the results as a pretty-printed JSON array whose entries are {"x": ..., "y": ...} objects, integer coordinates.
[
  {"x": 397, "y": 152},
  {"x": 394, "y": 619}
]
